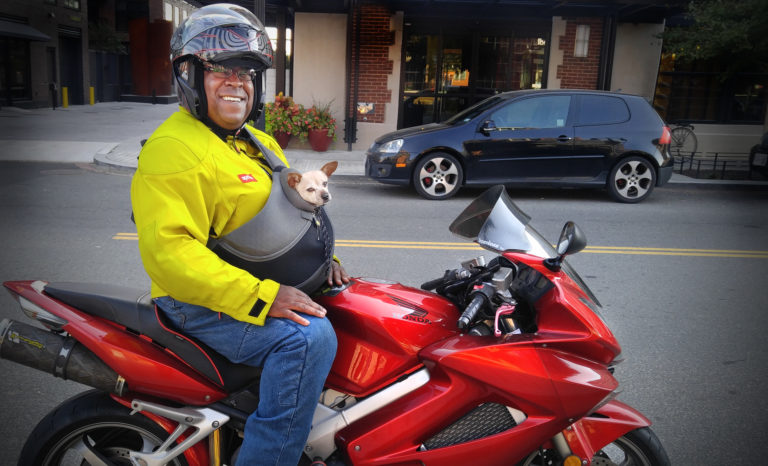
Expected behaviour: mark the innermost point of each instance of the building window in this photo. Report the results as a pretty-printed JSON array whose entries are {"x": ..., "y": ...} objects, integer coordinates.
[
  {"x": 581, "y": 44},
  {"x": 73, "y": 4},
  {"x": 700, "y": 92},
  {"x": 14, "y": 70},
  {"x": 168, "y": 13}
]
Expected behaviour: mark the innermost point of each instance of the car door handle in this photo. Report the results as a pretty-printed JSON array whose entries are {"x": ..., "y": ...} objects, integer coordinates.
[{"x": 564, "y": 138}]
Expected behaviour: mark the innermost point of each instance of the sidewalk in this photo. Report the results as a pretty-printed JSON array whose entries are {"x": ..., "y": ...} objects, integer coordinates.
[{"x": 109, "y": 133}]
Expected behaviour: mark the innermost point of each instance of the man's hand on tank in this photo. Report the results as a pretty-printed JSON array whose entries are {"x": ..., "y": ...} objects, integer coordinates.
[
  {"x": 337, "y": 275},
  {"x": 289, "y": 301}
]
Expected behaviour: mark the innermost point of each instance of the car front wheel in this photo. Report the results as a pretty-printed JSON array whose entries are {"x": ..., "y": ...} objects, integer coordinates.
[
  {"x": 631, "y": 180},
  {"x": 437, "y": 176}
]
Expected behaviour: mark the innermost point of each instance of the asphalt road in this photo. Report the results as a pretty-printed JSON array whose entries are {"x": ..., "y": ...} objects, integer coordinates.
[{"x": 682, "y": 278}]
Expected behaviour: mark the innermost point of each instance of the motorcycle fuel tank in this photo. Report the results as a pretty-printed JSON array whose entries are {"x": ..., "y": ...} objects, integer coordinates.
[{"x": 381, "y": 327}]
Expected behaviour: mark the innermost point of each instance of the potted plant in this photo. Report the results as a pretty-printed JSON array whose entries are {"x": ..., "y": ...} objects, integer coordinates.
[
  {"x": 321, "y": 126},
  {"x": 283, "y": 119}
]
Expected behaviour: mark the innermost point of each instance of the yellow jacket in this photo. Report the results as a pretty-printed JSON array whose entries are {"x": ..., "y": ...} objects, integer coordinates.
[{"x": 190, "y": 184}]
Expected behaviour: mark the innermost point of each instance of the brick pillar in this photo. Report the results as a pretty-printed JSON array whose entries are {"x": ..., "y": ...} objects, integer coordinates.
[
  {"x": 580, "y": 72},
  {"x": 375, "y": 65}
]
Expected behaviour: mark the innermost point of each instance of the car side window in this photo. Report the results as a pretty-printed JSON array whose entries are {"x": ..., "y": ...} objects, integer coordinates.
[
  {"x": 602, "y": 110},
  {"x": 537, "y": 112}
]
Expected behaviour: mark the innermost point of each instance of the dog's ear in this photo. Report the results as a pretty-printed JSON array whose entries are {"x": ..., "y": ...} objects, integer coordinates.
[
  {"x": 329, "y": 168},
  {"x": 293, "y": 179}
]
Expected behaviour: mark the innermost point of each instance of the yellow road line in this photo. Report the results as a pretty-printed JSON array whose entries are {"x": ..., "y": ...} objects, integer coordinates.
[{"x": 627, "y": 250}]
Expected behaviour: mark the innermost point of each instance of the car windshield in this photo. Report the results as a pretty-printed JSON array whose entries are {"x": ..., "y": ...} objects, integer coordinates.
[
  {"x": 494, "y": 222},
  {"x": 473, "y": 111}
]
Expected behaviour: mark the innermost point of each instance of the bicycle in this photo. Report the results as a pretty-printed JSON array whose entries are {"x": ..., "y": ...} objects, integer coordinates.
[{"x": 684, "y": 142}]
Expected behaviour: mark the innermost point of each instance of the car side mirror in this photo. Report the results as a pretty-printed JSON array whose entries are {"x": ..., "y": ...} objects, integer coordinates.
[
  {"x": 487, "y": 126},
  {"x": 572, "y": 240}
]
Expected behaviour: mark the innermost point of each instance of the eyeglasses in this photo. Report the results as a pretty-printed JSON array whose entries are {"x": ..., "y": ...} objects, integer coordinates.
[{"x": 224, "y": 72}]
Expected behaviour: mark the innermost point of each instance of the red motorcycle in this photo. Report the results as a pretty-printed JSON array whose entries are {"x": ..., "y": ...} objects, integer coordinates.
[{"x": 505, "y": 362}]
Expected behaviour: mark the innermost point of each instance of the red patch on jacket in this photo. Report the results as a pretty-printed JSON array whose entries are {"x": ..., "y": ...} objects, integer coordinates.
[{"x": 247, "y": 178}]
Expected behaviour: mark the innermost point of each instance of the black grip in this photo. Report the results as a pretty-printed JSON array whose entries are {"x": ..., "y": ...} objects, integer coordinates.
[
  {"x": 432, "y": 284},
  {"x": 471, "y": 311}
]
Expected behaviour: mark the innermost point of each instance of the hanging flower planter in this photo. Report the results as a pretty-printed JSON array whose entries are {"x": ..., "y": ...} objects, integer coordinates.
[{"x": 320, "y": 139}]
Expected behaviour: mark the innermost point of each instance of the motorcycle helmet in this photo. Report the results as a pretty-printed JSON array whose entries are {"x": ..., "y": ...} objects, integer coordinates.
[{"x": 221, "y": 33}]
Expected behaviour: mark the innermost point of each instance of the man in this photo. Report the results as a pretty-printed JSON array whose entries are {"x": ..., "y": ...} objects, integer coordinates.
[{"x": 197, "y": 179}]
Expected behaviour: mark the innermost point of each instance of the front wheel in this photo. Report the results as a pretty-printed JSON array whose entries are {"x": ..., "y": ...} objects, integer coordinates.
[
  {"x": 639, "y": 447},
  {"x": 89, "y": 429},
  {"x": 632, "y": 179},
  {"x": 437, "y": 176}
]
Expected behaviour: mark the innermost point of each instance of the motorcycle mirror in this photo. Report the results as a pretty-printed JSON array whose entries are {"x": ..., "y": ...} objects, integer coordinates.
[{"x": 572, "y": 240}]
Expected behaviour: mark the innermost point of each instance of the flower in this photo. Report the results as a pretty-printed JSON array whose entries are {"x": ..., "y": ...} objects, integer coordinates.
[
  {"x": 319, "y": 117},
  {"x": 285, "y": 116}
]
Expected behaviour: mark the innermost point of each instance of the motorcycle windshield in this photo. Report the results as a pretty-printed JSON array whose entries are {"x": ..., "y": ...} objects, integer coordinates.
[{"x": 497, "y": 224}]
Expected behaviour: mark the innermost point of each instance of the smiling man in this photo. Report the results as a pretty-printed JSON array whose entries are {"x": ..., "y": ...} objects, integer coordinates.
[{"x": 202, "y": 174}]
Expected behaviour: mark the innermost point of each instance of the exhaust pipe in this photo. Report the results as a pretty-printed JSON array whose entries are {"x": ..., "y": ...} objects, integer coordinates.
[{"x": 64, "y": 357}]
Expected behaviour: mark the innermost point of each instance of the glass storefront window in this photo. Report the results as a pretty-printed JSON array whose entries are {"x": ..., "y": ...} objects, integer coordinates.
[
  {"x": 446, "y": 73},
  {"x": 508, "y": 63},
  {"x": 698, "y": 93},
  {"x": 14, "y": 69}
]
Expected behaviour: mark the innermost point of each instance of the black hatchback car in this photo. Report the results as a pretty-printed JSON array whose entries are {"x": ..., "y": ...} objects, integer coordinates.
[{"x": 546, "y": 137}]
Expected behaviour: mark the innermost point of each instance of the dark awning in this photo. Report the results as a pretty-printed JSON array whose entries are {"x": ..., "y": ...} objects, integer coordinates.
[{"x": 22, "y": 31}]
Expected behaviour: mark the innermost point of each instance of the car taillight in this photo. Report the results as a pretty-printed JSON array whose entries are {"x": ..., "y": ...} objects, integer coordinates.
[{"x": 666, "y": 136}]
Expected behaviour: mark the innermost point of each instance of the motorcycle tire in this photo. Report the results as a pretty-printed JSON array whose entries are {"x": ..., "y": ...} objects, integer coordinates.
[
  {"x": 93, "y": 417},
  {"x": 639, "y": 447}
]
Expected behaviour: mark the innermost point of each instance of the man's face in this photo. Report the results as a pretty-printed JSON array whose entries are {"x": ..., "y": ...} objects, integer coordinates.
[{"x": 230, "y": 98}]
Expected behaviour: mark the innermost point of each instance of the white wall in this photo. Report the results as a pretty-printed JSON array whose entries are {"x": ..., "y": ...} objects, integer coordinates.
[
  {"x": 319, "y": 65},
  {"x": 636, "y": 59},
  {"x": 555, "y": 54},
  {"x": 731, "y": 139}
]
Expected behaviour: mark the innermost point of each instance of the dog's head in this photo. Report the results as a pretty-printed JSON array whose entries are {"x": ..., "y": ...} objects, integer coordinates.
[{"x": 312, "y": 186}]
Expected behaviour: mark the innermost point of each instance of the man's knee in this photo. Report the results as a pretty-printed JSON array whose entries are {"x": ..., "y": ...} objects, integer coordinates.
[{"x": 321, "y": 338}]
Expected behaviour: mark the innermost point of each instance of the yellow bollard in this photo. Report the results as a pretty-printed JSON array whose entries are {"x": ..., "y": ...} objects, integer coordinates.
[
  {"x": 93, "y": 97},
  {"x": 65, "y": 97}
]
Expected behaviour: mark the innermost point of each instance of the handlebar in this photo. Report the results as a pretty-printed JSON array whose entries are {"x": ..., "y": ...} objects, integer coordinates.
[
  {"x": 480, "y": 298},
  {"x": 449, "y": 276},
  {"x": 432, "y": 284},
  {"x": 470, "y": 312}
]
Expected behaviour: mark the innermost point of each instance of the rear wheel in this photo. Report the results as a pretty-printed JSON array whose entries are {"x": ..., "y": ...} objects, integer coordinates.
[
  {"x": 632, "y": 179},
  {"x": 639, "y": 447},
  {"x": 89, "y": 429},
  {"x": 437, "y": 176}
]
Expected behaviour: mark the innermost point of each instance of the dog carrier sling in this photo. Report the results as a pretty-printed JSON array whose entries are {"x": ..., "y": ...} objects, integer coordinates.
[{"x": 289, "y": 241}]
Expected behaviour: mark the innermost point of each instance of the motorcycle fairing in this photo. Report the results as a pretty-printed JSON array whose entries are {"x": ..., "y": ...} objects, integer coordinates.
[
  {"x": 591, "y": 433},
  {"x": 380, "y": 328},
  {"x": 466, "y": 372},
  {"x": 146, "y": 366},
  {"x": 134, "y": 309}
]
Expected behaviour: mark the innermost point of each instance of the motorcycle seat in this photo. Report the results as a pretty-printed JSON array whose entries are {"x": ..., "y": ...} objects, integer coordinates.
[{"x": 135, "y": 310}]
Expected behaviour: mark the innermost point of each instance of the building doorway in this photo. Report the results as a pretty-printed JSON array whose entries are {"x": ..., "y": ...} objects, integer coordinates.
[
  {"x": 445, "y": 73},
  {"x": 71, "y": 68}
]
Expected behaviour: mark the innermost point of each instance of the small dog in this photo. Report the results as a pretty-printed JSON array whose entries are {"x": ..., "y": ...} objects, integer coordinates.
[{"x": 312, "y": 186}]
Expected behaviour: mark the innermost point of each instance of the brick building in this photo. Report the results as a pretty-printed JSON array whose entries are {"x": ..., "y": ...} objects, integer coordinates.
[{"x": 381, "y": 64}]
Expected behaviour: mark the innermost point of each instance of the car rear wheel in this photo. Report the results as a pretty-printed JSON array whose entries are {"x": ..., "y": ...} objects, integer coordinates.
[
  {"x": 437, "y": 176},
  {"x": 632, "y": 179}
]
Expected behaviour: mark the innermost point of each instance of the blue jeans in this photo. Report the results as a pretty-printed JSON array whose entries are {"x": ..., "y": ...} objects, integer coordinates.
[{"x": 295, "y": 361}]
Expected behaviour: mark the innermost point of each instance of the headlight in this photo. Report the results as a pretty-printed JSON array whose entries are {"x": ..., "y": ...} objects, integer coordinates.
[{"x": 391, "y": 147}]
